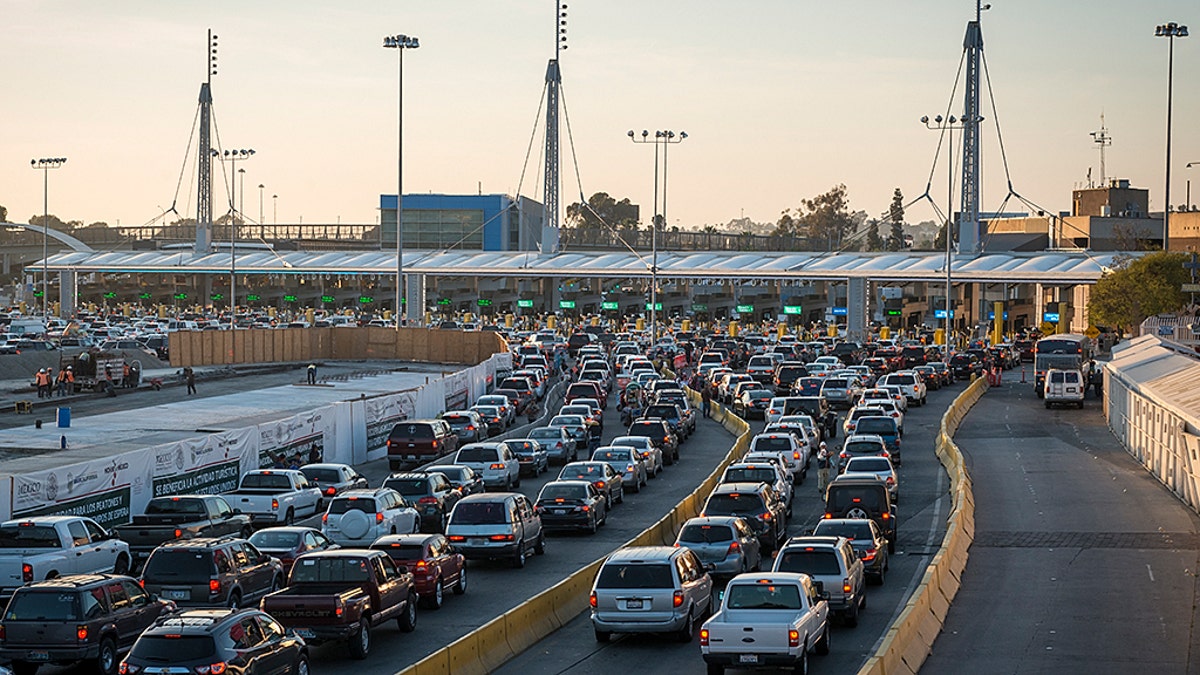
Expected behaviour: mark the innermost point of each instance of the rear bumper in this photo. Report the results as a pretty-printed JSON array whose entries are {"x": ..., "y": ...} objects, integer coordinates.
[
  {"x": 571, "y": 521},
  {"x": 33, "y": 653},
  {"x": 323, "y": 633},
  {"x": 478, "y": 552},
  {"x": 761, "y": 660},
  {"x": 610, "y": 624}
]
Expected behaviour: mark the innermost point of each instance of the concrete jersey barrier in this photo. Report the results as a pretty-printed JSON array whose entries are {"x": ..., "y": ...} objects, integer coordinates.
[{"x": 910, "y": 638}]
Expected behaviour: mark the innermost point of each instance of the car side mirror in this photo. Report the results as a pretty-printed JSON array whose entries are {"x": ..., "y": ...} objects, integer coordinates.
[
  {"x": 237, "y": 512},
  {"x": 820, "y": 588}
]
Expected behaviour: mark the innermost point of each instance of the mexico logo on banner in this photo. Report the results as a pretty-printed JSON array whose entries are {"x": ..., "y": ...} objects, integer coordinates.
[{"x": 98, "y": 489}]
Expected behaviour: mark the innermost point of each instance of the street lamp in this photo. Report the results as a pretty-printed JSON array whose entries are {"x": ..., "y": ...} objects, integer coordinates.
[
  {"x": 400, "y": 43},
  {"x": 1170, "y": 31},
  {"x": 1188, "y": 195},
  {"x": 262, "y": 233},
  {"x": 233, "y": 156},
  {"x": 663, "y": 138},
  {"x": 948, "y": 125},
  {"x": 45, "y": 165},
  {"x": 274, "y": 214}
]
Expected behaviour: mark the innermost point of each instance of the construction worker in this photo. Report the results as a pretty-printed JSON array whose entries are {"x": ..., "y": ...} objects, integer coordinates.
[
  {"x": 312, "y": 373},
  {"x": 61, "y": 380},
  {"x": 42, "y": 380},
  {"x": 126, "y": 380}
]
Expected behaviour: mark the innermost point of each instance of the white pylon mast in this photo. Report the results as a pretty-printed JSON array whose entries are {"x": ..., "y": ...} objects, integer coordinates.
[
  {"x": 204, "y": 220},
  {"x": 1102, "y": 141},
  {"x": 550, "y": 228},
  {"x": 968, "y": 224}
]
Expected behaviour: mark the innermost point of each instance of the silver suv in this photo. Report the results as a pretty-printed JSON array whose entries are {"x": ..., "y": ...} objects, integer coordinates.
[
  {"x": 832, "y": 563},
  {"x": 650, "y": 589}
]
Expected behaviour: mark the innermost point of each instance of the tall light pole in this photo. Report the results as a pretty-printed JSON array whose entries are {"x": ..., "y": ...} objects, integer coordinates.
[
  {"x": 274, "y": 212},
  {"x": 949, "y": 125},
  {"x": 44, "y": 165},
  {"x": 662, "y": 138},
  {"x": 262, "y": 233},
  {"x": 1170, "y": 31},
  {"x": 400, "y": 43},
  {"x": 232, "y": 156},
  {"x": 1188, "y": 195}
]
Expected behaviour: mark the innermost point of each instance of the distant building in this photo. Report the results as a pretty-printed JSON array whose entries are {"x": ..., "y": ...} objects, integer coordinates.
[
  {"x": 493, "y": 222},
  {"x": 1111, "y": 218},
  {"x": 1115, "y": 200}
]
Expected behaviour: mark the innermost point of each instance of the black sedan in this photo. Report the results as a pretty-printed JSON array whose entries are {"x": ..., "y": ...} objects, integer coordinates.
[
  {"x": 753, "y": 403},
  {"x": 571, "y": 505}
]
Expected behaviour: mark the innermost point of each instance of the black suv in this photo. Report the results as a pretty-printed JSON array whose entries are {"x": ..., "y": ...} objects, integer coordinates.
[
  {"x": 759, "y": 503},
  {"x": 672, "y": 414},
  {"x": 84, "y": 617},
  {"x": 217, "y": 641},
  {"x": 816, "y": 407},
  {"x": 207, "y": 572},
  {"x": 866, "y": 497},
  {"x": 431, "y": 493},
  {"x": 964, "y": 365},
  {"x": 660, "y": 434}
]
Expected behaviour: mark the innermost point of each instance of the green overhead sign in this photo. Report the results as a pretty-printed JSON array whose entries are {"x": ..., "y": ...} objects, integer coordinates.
[
  {"x": 609, "y": 304},
  {"x": 657, "y": 307},
  {"x": 525, "y": 304},
  {"x": 483, "y": 302},
  {"x": 145, "y": 296},
  {"x": 745, "y": 309},
  {"x": 366, "y": 299},
  {"x": 110, "y": 295},
  {"x": 566, "y": 304},
  {"x": 289, "y": 298},
  {"x": 443, "y": 301},
  {"x": 253, "y": 298},
  {"x": 327, "y": 298},
  {"x": 793, "y": 309}
]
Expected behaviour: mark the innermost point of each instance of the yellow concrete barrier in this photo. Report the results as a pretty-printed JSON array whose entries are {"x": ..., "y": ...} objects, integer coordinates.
[
  {"x": 492, "y": 640},
  {"x": 910, "y": 638},
  {"x": 526, "y": 623},
  {"x": 464, "y": 656},
  {"x": 434, "y": 664}
]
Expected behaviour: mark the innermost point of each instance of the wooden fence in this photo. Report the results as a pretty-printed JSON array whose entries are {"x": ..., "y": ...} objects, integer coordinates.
[{"x": 222, "y": 347}]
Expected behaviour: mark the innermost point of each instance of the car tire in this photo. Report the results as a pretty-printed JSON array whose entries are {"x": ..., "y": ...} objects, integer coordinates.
[
  {"x": 891, "y": 546},
  {"x": 407, "y": 621},
  {"x": 460, "y": 586},
  {"x": 235, "y": 600},
  {"x": 517, "y": 484},
  {"x": 360, "y": 644},
  {"x": 107, "y": 659},
  {"x": 822, "y": 646},
  {"x": 621, "y": 496},
  {"x": 518, "y": 560},
  {"x": 637, "y": 486},
  {"x": 301, "y": 666},
  {"x": 594, "y": 525},
  {"x": 851, "y": 617},
  {"x": 290, "y": 518},
  {"x": 685, "y": 634},
  {"x": 540, "y": 547},
  {"x": 435, "y": 599},
  {"x": 602, "y": 635},
  {"x": 121, "y": 567}
]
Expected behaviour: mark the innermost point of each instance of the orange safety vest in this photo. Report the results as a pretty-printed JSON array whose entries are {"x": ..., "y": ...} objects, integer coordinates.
[
  {"x": 70, "y": 376},
  {"x": 42, "y": 379}
]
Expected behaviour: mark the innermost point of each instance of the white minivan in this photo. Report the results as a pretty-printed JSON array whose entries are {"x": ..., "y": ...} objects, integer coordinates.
[{"x": 1064, "y": 387}]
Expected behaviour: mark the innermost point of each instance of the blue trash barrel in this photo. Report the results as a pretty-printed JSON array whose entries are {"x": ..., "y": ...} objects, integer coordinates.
[{"x": 64, "y": 418}]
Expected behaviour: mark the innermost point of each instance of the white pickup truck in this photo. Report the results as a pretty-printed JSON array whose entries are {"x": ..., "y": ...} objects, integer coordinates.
[
  {"x": 47, "y": 547},
  {"x": 276, "y": 497},
  {"x": 766, "y": 620}
]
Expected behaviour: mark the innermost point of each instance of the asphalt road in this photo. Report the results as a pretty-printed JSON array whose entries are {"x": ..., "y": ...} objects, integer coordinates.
[
  {"x": 922, "y": 520},
  {"x": 495, "y": 588},
  {"x": 1082, "y": 563}
]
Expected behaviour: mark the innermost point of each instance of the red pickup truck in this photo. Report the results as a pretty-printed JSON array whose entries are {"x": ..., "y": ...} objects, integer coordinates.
[{"x": 341, "y": 595}]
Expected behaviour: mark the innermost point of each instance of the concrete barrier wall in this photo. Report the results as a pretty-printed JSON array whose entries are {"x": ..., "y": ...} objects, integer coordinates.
[
  {"x": 910, "y": 638},
  {"x": 259, "y": 345},
  {"x": 487, "y": 647}
]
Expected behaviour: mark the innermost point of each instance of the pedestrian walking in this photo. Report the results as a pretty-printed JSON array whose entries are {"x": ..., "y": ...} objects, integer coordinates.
[
  {"x": 189, "y": 376},
  {"x": 312, "y": 373},
  {"x": 42, "y": 380},
  {"x": 706, "y": 400},
  {"x": 824, "y": 462}
]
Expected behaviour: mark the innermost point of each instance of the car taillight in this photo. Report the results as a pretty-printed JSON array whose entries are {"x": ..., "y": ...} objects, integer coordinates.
[
  {"x": 178, "y": 533},
  {"x": 869, "y": 554},
  {"x": 324, "y": 517},
  {"x": 734, "y": 547},
  {"x": 378, "y": 517},
  {"x": 26, "y": 572},
  {"x": 126, "y": 669},
  {"x": 592, "y": 599},
  {"x": 795, "y": 455},
  {"x": 886, "y": 515},
  {"x": 217, "y": 668},
  {"x": 330, "y": 491},
  {"x": 501, "y": 537},
  {"x": 766, "y": 515},
  {"x": 677, "y": 599},
  {"x": 421, "y": 564},
  {"x": 81, "y": 633},
  {"x": 214, "y": 585},
  {"x": 599, "y": 484},
  {"x": 846, "y": 585},
  {"x": 457, "y": 538},
  {"x": 427, "y": 500},
  {"x": 585, "y": 508},
  {"x": 666, "y": 439},
  {"x": 435, "y": 444},
  {"x": 793, "y": 638},
  {"x": 274, "y": 504},
  {"x": 891, "y": 481},
  {"x": 497, "y": 467},
  {"x": 703, "y": 637}
]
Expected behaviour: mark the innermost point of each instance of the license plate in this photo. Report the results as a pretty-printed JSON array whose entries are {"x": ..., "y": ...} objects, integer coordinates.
[
  {"x": 561, "y": 511},
  {"x": 633, "y": 604},
  {"x": 38, "y": 656},
  {"x": 305, "y": 633},
  {"x": 175, "y": 595},
  {"x": 748, "y": 658}
]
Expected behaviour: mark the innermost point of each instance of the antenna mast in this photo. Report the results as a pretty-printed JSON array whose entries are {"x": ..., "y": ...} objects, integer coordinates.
[
  {"x": 550, "y": 227},
  {"x": 968, "y": 224},
  {"x": 1102, "y": 141},
  {"x": 204, "y": 155}
]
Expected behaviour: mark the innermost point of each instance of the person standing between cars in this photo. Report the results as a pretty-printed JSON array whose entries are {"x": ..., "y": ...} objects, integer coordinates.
[
  {"x": 824, "y": 459},
  {"x": 706, "y": 401},
  {"x": 312, "y": 373}
]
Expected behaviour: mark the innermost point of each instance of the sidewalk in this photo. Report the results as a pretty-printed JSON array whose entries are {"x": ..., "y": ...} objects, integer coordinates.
[{"x": 12, "y": 391}]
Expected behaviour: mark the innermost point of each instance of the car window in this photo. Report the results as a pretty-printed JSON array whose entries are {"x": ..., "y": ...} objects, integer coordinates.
[
  {"x": 705, "y": 534},
  {"x": 118, "y": 598},
  {"x": 763, "y": 596},
  {"x": 816, "y": 562},
  {"x": 246, "y": 634},
  {"x": 635, "y": 575},
  {"x": 78, "y": 532},
  {"x": 272, "y": 629},
  {"x": 479, "y": 513},
  {"x": 96, "y": 532},
  {"x": 94, "y": 605}
]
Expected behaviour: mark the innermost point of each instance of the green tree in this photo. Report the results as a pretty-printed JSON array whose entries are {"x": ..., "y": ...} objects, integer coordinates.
[
  {"x": 895, "y": 240},
  {"x": 602, "y": 214},
  {"x": 3, "y": 214},
  {"x": 874, "y": 241},
  {"x": 825, "y": 219},
  {"x": 52, "y": 221},
  {"x": 1137, "y": 288}
]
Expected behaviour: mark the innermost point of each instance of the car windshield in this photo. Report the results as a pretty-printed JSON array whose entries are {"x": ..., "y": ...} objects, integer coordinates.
[
  {"x": 412, "y": 431},
  {"x": 559, "y": 491},
  {"x": 774, "y": 443},
  {"x": 870, "y": 464},
  {"x": 877, "y": 425},
  {"x": 409, "y": 487},
  {"x": 43, "y": 605},
  {"x": 902, "y": 379},
  {"x": 266, "y": 539},
  {"x": 398, "y": 551},
  {"x": 734, "y": 503},
  {"x": 316, "y": 570},
  {"x": 749, "y": 475},
  {"x": 479, "y": 513},
  {"x": 28, "y": 536},
  {"x": 763, "y": 596},
  {"x": 171, "y": 506},
  {"x": 567, "y": 421},
  {"x": 635, "y": 575},
  {"x": 581, "y": 471},
  {"x": 476, "y": 453},
  {"x": 173, "y": 648},
  {"x": 266, "y": 481},
  {"x": 179, "y": 565},
  {"x": 340, "y": 506},
  {"x": 705, "y": 534},
  {"x": 613, "y": 455},
  {"x": 862, "y": 448},
  {"x": 850, "y": 529},
  {"x": 867, "y": 496},
  {"x": 322, "y": 475},
  {"x": 808, "y": 562}
]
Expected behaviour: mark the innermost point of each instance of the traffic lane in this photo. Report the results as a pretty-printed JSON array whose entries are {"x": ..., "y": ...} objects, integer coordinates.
[
  {"x": 1082, "y": 561},
  {"x": 921, "y": 518},
  {"x": 495, "y": 588}
]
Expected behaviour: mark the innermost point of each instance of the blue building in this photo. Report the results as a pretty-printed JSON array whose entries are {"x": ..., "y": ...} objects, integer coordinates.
[{"x": 471, "y": 222}]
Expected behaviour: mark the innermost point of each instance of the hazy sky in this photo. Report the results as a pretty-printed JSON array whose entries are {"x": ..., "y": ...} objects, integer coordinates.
[{"x": 781, "y": 99}]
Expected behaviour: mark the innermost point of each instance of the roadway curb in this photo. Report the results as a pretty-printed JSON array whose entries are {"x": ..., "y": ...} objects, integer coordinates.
[
  {"x": 910, "y": 638},
  {"x": 492, "y": 644}
]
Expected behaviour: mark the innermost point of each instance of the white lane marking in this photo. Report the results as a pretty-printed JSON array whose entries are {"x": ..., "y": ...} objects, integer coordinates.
[{"x": 1150, "y": 572}]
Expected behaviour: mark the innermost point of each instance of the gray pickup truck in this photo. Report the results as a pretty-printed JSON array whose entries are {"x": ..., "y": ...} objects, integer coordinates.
[{"x": 181, "y": 517}]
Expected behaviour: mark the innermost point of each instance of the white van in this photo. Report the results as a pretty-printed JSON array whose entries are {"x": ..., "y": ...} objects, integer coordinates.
[
  {"x": 27, "y": 327},
  {"x": 1064, "y": 387}
]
